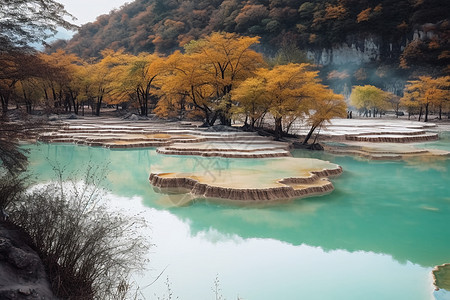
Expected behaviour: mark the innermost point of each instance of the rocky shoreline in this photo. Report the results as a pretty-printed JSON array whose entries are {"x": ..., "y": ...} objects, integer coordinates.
[{"x": 22, "y": 273}]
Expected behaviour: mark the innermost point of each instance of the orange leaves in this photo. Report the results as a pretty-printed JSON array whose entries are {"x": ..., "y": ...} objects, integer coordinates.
[
  {"x": 210, "y": 69},
  {"x": 288, "y": 92},
  {"x": 250, "y": 15},
  {"x": 369, "y": 13},
  {"x": 364, "y": 15},
  {"x": 252, "y": 98},
  {"x": 335, "y": 12},
  {"x": 427, "y": 90}
]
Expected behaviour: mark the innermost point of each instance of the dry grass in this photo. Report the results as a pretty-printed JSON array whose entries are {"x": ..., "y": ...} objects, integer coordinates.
[{"x": 88, "y": 250}]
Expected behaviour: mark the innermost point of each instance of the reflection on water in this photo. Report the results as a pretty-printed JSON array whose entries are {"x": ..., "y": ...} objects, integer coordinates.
[
  {"x": 265, "y": 268},
  {"x": 377, "y": 236},
  {"x": 424, "y": 163}
]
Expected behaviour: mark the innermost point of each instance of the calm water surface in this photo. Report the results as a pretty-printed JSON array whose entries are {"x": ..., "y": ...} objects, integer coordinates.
[{"x": 377, "y": 236}]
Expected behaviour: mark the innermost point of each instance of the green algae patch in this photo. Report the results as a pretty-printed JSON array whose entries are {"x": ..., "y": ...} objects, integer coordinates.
[{"x": 441, "y": 275}]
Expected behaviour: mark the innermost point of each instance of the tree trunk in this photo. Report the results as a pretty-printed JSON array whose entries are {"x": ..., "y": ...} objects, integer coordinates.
[
  {"x": 426, "y": 112},
  {"x": 98, "y": 106},
  {"x": 420, "y": 113},
  {"x": 4, "y": 103},
  {"x": 144, "y": 106},
  {"x": 278, "y": 127},
  {"x": 213, "y": 120},
  {"x": 308, "y": 136},
  {"x": 73, "y": 98},
  {"x": 224, "y": 120},
  {"x": 253, "y": 123},
  {"x": 27, "y": 102}
]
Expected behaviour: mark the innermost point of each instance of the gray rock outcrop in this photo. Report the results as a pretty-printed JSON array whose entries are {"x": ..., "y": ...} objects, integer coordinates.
[{"x": 22, "y": 274}]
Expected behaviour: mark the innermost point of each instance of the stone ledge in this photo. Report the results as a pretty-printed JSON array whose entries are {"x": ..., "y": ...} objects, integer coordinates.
[{"x": 305, "y": 181}]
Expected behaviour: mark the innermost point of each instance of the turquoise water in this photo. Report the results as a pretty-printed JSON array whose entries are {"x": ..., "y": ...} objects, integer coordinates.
[
  {"x": 442, "y": 144},
  {"x": 377, "y": 236}
]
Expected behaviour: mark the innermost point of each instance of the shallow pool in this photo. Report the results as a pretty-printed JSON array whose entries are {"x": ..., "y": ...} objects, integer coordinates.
[{"x": 376, "y": 236}]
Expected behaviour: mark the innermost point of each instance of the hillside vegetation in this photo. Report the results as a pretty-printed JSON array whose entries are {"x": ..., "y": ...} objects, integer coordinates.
[{"x": 165, "y": 25}]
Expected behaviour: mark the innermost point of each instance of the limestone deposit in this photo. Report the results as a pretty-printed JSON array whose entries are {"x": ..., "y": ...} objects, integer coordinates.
[
  {"x": 291, "y": 178},
  {"x": 174, "y": 138},
  {"x": 369, "y": 138}
]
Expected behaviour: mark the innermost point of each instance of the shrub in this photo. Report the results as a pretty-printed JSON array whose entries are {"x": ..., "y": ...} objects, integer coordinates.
[{"x": 88, "y": 250}]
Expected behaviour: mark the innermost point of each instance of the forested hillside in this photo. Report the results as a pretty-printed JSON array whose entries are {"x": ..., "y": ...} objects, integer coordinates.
[{"x": 165, "y": 25}]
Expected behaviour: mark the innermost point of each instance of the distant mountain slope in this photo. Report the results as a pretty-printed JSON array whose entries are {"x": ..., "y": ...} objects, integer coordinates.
[{"x": 314, "y": 25}]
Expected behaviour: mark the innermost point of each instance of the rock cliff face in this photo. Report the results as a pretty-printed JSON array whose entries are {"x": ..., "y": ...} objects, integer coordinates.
[
  {"x": 360, "y": 50},
  {"x": 22, "y": 274},
  {"x": 355, "y": 51}
]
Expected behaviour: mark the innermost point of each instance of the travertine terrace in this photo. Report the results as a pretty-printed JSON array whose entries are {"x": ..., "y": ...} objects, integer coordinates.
[
  {"x": 275, "y": 179},
  {"x": 376, "y": 130},
  {"x": 283, "y": 176},
  {"x": 378, "y": 138},
  {"x": 175, "y": 138}
]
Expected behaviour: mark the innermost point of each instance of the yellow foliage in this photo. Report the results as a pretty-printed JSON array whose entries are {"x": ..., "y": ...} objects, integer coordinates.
[
  {"x": 369, "y": 97},
  {"x": 326, "y": 106},
  {"x": 293, "y": 91},
  {"x": 289, "y": 88},
  {"x": 208, "y": 71},
  {"x": 427, "y": 90},
  {"x": 252, "y": 99}
]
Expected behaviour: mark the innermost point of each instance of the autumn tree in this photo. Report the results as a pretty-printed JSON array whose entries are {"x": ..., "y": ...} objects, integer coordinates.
[
  {"x": 287, "y": 93},
  {"x": 206, "y": 74},
  {"x": 325, "y": 106},
  {"x": 135, "y": 78},
  {"x": 369, "y": 99},
  {"x": 61, "y": 80},
  {"x": 427, "y": 91},
  {"x": 11, "y": 71},
  {"x": 28, "y": 92},
  {"x": 186, "y": 82},
  {"x": 227, "y": 59},
  {"x": 252, "y": 100},
  {"x": 17, "y": 67},
  {"x": 411, "y": 104},
  {"x": 101, "y": 78},
  {"x": 290, "y": 89},
  {"x": 395, "y": 103},
  {"x": 250, "y": 15}
]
